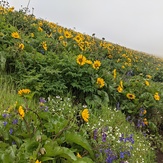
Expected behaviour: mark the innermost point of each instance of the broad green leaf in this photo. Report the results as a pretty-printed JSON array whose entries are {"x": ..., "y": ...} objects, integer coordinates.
[
  {"x": 83, "y": 160},
  {"x": 78, "y": 139},
  {"x": 46, "y": 158},
  {"x": 59, "y": 152}
]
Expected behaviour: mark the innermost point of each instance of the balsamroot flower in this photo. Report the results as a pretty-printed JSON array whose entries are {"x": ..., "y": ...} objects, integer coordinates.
[
  {"x": 156, "y": 96},
  {"x": 81, "y": 60},
  {"x": 21, "y": 46},
  {"x": 44, "y": 45},
  {"x": 23, "y": 92},
  {"x": 15, "y": 35},
  {"x": 96, "y": 64},
  {"x": 78, "y": 155},
  {"x": 37, "y": 161},
  {"x": 130, "y": 96},
  {"x": 85, "y": 115},
  {"x": 148, "y": 76},
  {"x": 67, "y": 34},
  {"x": 89, "y": 62},
  {"x": 100, "y": 82},
  {"x": 145, "y": 121},
  {"x": 147, "y": 83},
  {"x": 21, "y": 111},
  {"x": 114, "y": 73},
  {"x": 119, "y": 89}
]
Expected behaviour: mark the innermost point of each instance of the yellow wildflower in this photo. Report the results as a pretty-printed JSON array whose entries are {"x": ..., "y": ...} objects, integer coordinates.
[
  {"x": 61, "y": 38},
  {"x": 121, "y": 83},
  {"x": 78, "y": 38},
  {"x": 85, "y": 115},
  {"x": 100, "y": 82},
  {"x": 37, "y": 161},
  {"x": 40, "y": 29},
  {"x": 119, "y": 89},
  {"x": 156, "y": 96},
  {"x": 15, "y": 35},
  {"x": 67, "y": 34},
  {"x": 114, "y": 73},
  {"x": 96, "y": 64},
  {"x": 149, "y": 76},
  {"x": 144, "y": 111},
  {"x": 123, "y": 66},
  {"x": 64, "y": 43},
  {"x": 89, "y": 62},
  {"x": 110, "y": 56},
  {"x": 129, "y": 59},
  {"x": 78, "y": 155},
  {"x": 130, "y": 96},
  {"x": 23, "y": 92},
  {"x": 44, "y": 45},
  {"x": 147, "y": 83},
  {"x": 81, "y": 60},
  {"x": 145, "y": 121},
  {"x": 32, "y": 35},
  {"x": 11, "y": 9},
  {"x": 21, "y": 111},
  {"x": 21, "y": 46}
]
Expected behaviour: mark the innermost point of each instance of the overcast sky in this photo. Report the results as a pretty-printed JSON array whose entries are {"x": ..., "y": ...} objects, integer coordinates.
[{"x": 136, "y": 24}]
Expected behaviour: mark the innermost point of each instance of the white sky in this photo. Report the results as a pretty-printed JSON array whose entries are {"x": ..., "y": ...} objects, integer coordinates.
[{"x": 136, "y": 24}]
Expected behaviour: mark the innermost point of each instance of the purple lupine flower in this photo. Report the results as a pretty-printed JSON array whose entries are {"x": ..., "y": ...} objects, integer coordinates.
[
  {"x": 110, "y": 157},
  {"x": 131, "y": 139},
  {"x": 95, "y": 133},
  {"x": 141, "y": 112},
  {"x": 122, "y": 155},
  {"x": 15, "y": 121},
  {"x": 5, "y": 115},
  {"x": 104, "y": 136},
  {"x": 128, "y": 117},
  {"x": 121, "y": 138},
  {"x": 4, "y": 123},
  {"x": 42, "y": 100},
  {"x": 11, "y": 131},
  {"x": 128, "y": 153}
]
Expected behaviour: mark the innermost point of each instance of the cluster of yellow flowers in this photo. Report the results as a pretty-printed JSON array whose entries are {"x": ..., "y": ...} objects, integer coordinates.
[
  {"x": 24, "y": 92},
  {"x": 82, "y": 60},
  {"x": 44, "y": 45}
]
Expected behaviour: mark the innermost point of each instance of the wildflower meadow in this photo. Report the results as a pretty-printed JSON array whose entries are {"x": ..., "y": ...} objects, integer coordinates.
[{"x": 68, "y": 97}]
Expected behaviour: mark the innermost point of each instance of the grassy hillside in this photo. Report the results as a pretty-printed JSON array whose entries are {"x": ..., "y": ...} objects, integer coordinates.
[{"x": 70, "y": 97}]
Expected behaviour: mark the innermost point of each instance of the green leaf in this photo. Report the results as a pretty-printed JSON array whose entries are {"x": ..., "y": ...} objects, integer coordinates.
[
  {"x": 3, "y": 145},
  {"x": 59, "y": 152},
  {"x": 78, "y": 139},
  {"x": 84, "y": 160},
  {"x": 46, "y": 158}
]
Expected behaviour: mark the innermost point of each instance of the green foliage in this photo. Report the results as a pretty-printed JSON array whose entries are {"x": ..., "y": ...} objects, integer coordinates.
[{"x": 158, "y": 77}]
